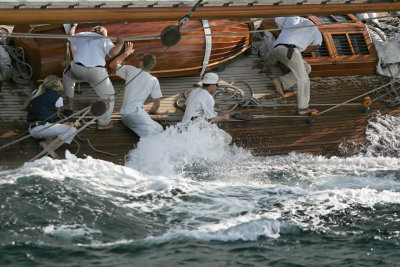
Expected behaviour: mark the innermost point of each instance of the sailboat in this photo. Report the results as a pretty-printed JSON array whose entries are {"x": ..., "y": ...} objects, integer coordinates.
[{"x": 343, "y": 69}]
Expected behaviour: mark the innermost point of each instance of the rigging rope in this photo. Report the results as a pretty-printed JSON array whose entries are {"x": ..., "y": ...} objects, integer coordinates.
[
  {"x": 354, "y": 98},
  {"x": 92, "y": 147},
  {"x": 390, "y": 90}
]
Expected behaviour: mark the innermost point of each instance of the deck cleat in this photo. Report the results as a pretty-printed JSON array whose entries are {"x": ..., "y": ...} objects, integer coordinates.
[
  {"x": 367, "y": 102},
  {"x": 312, "y": 116}
]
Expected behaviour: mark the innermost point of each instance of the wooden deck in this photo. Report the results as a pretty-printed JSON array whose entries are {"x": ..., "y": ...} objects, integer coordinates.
[{"x": 263, "y": 136}]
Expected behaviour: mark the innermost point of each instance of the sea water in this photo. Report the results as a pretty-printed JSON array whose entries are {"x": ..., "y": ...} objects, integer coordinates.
[{"x": 185, "y": 198}]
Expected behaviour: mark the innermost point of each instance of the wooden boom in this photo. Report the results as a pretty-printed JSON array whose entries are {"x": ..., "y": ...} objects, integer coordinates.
[{"x": 68, "y": 15}]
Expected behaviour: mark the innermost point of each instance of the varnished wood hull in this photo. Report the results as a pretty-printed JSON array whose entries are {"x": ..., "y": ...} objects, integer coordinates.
[{"x": 48, "y": 56}]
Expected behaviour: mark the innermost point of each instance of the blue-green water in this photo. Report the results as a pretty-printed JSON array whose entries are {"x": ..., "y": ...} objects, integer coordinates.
[{"x": 180, "y": 203}]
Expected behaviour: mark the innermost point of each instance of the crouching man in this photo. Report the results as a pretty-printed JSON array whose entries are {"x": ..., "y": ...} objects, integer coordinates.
[
  {"x": 200, "y": 102},
  {"x": 200, "y": 105},
  {"x": 139, "y": 85}
]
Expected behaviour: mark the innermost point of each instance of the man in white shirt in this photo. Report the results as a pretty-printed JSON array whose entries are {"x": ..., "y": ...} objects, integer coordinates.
[
  {"x": 89, "y": 66},
  {"x": 298, "y": 35},
  {"x": 139, "y": 85},
  {"x": 200, "y": 102}
]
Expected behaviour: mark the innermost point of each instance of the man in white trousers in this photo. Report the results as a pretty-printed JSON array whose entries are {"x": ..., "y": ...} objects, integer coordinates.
[
  {"x": 298, "y": 35},
  {"x": 89, "y": 66}
]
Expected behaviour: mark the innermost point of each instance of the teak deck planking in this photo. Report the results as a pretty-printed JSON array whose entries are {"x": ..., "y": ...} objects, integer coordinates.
[{"x": 263, "y": 137}]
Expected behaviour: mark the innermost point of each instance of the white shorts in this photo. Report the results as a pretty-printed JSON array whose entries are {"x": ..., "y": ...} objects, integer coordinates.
[{"x": 63, "y": 131}]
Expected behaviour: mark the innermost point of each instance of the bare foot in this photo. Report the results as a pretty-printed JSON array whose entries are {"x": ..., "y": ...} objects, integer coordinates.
[
  {"x": 278, "y": 87},
  {"x": 9, "y": 133},
  {"x": 105, "y": 127},
  {"x": 306, "y": 111},
  {"x": 45, "y": 146},
  {"x": 288, "y": 94}
]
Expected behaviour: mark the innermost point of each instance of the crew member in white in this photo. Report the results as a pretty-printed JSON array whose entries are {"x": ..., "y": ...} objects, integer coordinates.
[
  {"x": 200, "y": 102},
  {"x": 89, "y": 66},
  {"x": 140, "y": 84},
  {"x": 298, "y": 35}
]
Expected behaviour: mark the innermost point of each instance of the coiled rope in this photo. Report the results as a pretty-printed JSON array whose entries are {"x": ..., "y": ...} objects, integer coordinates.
[
  {"x": 21, "y": 72},
  {"x": 231, "y": 94}
]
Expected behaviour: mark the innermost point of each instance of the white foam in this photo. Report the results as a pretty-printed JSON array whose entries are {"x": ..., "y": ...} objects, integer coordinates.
[
  {"x": 383, "y": 132},
  {"x": 306, "y": 211},
  {"x": 71, "y": 231},
  {"x": 247, "y": 231},
  {"x": 170, "y": 151},
  {"x": 70, "y": 156}
]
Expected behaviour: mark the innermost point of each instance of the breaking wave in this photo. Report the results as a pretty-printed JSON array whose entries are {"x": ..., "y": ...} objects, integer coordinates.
[{"x": 188, "y": 184}]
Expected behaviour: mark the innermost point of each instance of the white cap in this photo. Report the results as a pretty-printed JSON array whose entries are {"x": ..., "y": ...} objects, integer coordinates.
[{"x": 210, "y": 78}]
